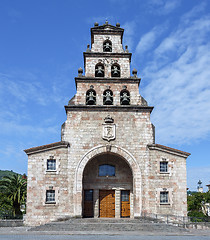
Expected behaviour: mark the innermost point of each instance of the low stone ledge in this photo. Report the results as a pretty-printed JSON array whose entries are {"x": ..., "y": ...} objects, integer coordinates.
[
  {"x": 11, "y": 223},
  {"x": 198, "y": 225}
]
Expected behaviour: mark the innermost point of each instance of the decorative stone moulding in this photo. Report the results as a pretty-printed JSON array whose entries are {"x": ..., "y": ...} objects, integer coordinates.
[{"x": 109, "y": 129}]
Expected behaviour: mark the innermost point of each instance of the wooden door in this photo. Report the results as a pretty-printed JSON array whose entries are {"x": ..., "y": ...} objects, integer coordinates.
[
  {"x": 88, "y": 203},
  {"x": 125, "y": 203},
  {"x": 107, "y": 203}
]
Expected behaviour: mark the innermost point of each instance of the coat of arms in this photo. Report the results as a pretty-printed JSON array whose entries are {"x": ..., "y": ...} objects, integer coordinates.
[{"x": 108, "y": 129}]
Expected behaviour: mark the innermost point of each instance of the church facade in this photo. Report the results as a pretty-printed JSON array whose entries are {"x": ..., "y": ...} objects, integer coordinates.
[{"x": 107, "y": 163}]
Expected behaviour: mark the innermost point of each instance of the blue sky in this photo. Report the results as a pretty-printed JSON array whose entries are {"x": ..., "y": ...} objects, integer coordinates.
[{"x": 41, "y": 48}]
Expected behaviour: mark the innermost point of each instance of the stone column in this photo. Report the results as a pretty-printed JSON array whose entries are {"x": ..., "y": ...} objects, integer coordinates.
[
  {"x": 117, "y": 203},
  {"x": 131, "y": 205},
  {"x": 96, "y": 203}
]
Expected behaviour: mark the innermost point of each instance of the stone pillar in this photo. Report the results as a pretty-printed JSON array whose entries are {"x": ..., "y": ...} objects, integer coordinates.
[
  {"x": 117, "y": 203},
  {"x": 96, "y": 203},
  {"x": 131, "y": 205}
]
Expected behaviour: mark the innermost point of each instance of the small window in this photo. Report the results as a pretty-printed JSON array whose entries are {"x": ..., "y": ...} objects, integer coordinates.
[
  {"x": 108, "y": 97},
  {"x": 124, "y": 97},
  {"x": 164, "y": 167},
  {"x": 99, "y": 70},
  {"x": 50, "y": 196},
  {"x": 115, "y": 70},
  {"x": 51, "y": 164},
  {"x": 89, "y": 195},
  {"x": 107, "y": 46},
  {"x": 125, "y": 195},
  {"x": 106, "y": 170},
  {"x": 164, "y": 197},
  {"x": 91, "y": 97}
]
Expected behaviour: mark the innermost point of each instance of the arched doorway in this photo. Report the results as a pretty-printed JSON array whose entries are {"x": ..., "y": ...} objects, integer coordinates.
[
  {"x": 107, "y": 187},
  {"x": 78, "y": 193}
]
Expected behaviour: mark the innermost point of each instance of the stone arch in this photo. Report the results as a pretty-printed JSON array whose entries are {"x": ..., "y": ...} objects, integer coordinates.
[{"x": 123, "y": 153}]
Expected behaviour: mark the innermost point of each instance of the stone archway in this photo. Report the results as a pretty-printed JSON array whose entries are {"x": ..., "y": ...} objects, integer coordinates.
[{"x": 112, "y": 149}]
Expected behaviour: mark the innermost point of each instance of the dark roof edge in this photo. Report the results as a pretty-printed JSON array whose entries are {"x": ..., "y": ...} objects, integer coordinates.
[
  {"x": 61, "y": 144},
  {"x": 106, "y": 54},
  {"x": 168, "y": 149},
  {"x": 108, "y": 108},
  {"x": 107, "y": 80},
  {"x": 103, "y": 27}
]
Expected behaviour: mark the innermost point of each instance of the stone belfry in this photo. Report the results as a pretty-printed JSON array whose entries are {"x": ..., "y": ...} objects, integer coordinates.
[{"x": 107, "y": 163}]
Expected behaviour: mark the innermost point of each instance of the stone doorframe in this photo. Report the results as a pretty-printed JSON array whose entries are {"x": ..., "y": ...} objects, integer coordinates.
[{"x": 131, "y": 161}]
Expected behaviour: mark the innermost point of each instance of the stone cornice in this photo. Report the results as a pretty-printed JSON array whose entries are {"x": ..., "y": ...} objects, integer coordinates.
[
  {"x": 107, "y": 54},
  {"x": 168, "y": 150},
  {"x": 106, "y": 29},
  {"x": 107, "y": 80},
  {"x": 108, "y": 108},
  {"x": 51, "y": 146}
]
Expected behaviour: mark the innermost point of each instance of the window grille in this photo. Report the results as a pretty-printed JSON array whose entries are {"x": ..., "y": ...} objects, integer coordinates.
[
  {"x": 163, "y": 166},
  {"x": 164, "y": 197},
  {"x": 50, "y": 196},
  {"x": 51, "y": 164}
]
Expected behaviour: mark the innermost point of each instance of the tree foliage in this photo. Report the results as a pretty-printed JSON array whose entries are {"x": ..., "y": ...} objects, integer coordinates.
[
  {"x": 13, "y": 191},
  {"x": 196, "y": 204}
]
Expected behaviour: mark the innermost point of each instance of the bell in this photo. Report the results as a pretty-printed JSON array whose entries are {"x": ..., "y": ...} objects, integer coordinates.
[
  {"x": 125, "y": 99},
  {"x": 99, "y": 71},
  {"x": 108, "y": 99},
  {"x": 107, "y": 47},
  {"x": 90, "y": 99},
  {"x": 115, "y": 72}
]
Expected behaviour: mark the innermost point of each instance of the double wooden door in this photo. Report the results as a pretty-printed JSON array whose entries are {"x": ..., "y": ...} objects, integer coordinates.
[{"x": 107, "y": 203}]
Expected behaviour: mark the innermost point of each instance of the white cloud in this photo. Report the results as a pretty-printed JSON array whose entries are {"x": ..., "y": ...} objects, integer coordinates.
[
  {"x": 26, "y": 86},
  {"x": 163, "y": 7},
  {"x": 148, "y": 39},
  {"x": 180, "y": 87},
  {"x": 187, "y": 17}
]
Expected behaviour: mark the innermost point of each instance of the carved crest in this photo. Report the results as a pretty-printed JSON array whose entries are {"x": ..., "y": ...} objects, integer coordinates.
[{"x": 109, "y": 129}]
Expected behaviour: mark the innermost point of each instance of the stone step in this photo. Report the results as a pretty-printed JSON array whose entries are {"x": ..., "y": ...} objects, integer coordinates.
[{"x": 108, "y": 225}]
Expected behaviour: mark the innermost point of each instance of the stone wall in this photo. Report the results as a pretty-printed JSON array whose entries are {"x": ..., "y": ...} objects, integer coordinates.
[
  {"x": 116, "y": 88},
  {"x": 124, "y": 64},
  {"x": 97, "y": 46},
  {"x": 40, "y": 180},
  {"x": 173, "y": 181}
]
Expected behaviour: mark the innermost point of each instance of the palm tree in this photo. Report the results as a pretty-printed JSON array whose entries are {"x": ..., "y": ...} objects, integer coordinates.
[{"x": 13, "y": 192}]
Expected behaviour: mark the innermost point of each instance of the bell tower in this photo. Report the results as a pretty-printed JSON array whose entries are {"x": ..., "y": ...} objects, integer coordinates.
[{"x": 107, "y": 80}]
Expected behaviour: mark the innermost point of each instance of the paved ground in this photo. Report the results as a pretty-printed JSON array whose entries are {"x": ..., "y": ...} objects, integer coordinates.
[
  {"x": 22, "y": 233},
  {"x": 103, "y": 229},
  {"x": 99, "y": 237}
]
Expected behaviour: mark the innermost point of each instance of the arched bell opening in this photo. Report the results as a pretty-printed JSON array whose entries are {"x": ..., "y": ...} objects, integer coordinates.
[
  {"x": 107, "y": 46},
  {"x": 107, "y": 187},
  {"x": 99, "y": 70},
  {"x": 115, "y": 70},
  {"x": 124, "y": 97},
  {"x": 108, "y": 97},
  {"x": 91, "y": 97}
]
